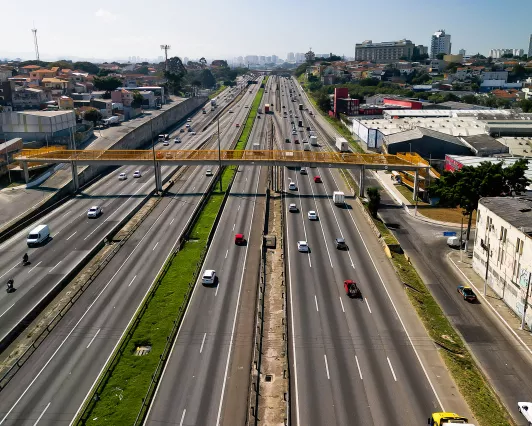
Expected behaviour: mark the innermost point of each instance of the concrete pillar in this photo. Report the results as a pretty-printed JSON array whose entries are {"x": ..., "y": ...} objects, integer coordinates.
[
  {"x": 416, "y": 184},
  {"x": 158, "y": 177},
  {"x": 26, "y": 172},
  {"x": 75, "y": 179},
  {"x": 361, "y": 183}
]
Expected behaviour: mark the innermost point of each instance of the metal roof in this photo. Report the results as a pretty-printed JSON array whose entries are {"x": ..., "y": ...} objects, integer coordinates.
[
  {"x": 517, "y": 211},
  {"x": 470, "y": 160},
  {"x": 418, "y": 133}
]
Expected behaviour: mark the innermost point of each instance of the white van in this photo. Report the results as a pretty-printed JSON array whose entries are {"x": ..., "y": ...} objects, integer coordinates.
[{"x": 38, "y": 235}]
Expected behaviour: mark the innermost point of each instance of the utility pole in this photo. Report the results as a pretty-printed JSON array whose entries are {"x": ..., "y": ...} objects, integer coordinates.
[
  {"x": 461, "y": 233},
  {"x": 487, "y": 248},
  {"x": 166, "y": 48},
  {"x": 153, "y": 151},
  {"x": 523, "y": 320}
]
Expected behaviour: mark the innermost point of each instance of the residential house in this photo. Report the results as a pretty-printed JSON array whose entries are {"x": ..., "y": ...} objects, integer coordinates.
[
  {"x": 28, "y": 98},
  {"x": 56, "y": 86},
  {"x": 38, "y": 75},
  {"x": 494, "y": 75},
  {"x": 26, "y": 70},
  {"x": 6, "y": 95},
  {"x": 65, "y": 102},
  {"x": 122, "y": 96},
  {"x": 149, "y": 99},
  {"x": 105, "y": 106},
  {"x": 510, "y": 94}
]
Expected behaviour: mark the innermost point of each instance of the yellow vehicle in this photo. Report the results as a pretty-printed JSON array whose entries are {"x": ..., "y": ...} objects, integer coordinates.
[{"x": 448, "y": 419}]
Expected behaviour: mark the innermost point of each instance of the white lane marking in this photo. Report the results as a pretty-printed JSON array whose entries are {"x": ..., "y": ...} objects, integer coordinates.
[
  {"x": 7, "y": 310},
  {"x": 326, "y": 366},
  {"x": 217, "y": 288},
  {"x": 237, "y": 303},
  {"x": 492, "y": 308},
  {"x": 358, "y": 366},
  {"x": 316, "y": 300},
  {"x": 396, "y": 311},
  {"x": 234, "y": 226},
  {"x": 94, "y": 337},
  {"x": 193, "y": 188},
  {"x": 55, "y": 266},
  {"x": 42, "y": 414},
  {"x": 34, "y": 267},
  {"x": 342, "y": 303},
  {"x": 72, "y": 235},
  {"x": 391, "y": 368},
  {"x": 172, "y": 221},
  {"x": 80, "y": 320},
  {"x": 156, "y": 244},
  {"x": 66, "y": 213},
  {"x": 93, "y": 231},
  {"x": 129, "y": 285},
  {"x": 226, "y": 253},
  {"x": 238, "y": 208},
  {"x": 367, "y": 303},
  {"x": 7, "y": 272},
  {"x": 182, "y": 417},
  {"x": 202, "y": 343}
]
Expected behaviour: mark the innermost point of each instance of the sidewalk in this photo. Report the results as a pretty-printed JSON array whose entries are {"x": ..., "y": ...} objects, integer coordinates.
[
  {"x": 495, "y": 304},
  {"x": 390, "y": 187}
]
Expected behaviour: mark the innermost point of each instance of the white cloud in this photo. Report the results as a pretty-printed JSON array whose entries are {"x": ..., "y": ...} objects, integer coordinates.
[{"x": 105, "y": 15}]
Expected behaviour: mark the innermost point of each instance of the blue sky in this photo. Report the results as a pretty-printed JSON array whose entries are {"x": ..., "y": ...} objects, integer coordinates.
[{"x": 228, "y": 28}]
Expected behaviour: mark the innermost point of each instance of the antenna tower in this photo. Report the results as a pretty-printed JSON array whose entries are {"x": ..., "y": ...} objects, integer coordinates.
[
  {"x": 34, "y": 31},
  {"x": 165, "y": 47}
]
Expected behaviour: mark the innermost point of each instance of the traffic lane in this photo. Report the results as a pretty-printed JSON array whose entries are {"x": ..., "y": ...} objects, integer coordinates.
[
  {"x": 339, "y": 349},
  {"x": 394, "y": 339},
  {"x": 502, "y": 358},
  {"x": 373, "y": 351},
  {"x": 210, "y": 314},
  {"x": 134, "y": 281}
]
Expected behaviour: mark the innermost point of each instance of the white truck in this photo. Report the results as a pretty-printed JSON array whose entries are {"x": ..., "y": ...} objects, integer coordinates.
[
  {"x": 113, "y": 120},
  {"x": 314, "y": 140},
  {"x": 213, "y": 102},
  {"x": 312, "y": 133},
  {"x": 338, "y": 198},
  {"x": 306, "y": 146},
  {"x": 342, "y": 145}
]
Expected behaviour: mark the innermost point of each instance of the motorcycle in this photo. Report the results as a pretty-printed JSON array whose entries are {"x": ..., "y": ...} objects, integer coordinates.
[{"x": 10, "y": 286}]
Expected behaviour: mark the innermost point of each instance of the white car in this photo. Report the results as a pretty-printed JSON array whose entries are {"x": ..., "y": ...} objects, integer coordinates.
[
  {"x": 187, "y": 125},
  {"x": 302, "y": 246},
  {"x": 209, "y": 276},
  {"x": 189, "y": 119},
  {"x": 292, "y": 208},
  {"x": 137, "y": 174},
  {"x": 193, "y": 133},
  {"x": 292, "y": 186},
  {"x": 303, "y": 171},
  {"x": 294, "y": 132},
  {"x": 230, "y": 111},
  {"x": 94, "y": 211},
  {"x": 122, "y": 176},
  {"x": 166, "y": 143},
  {"x": 177, "y": 140},
  {"x": 208, "y": 172},
  {"x": 312, "y": 215}
]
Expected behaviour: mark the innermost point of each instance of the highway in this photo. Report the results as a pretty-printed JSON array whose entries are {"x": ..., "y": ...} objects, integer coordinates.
[
  {"x": 350, "y": 358},
  {"x": 55, "y": 381},
  {"x": 73, "y": 235},
  {"x": 193, "y": 389}
]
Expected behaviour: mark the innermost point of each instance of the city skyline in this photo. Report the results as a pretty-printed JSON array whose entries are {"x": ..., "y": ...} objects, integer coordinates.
[{"x": 111, "y": 33}]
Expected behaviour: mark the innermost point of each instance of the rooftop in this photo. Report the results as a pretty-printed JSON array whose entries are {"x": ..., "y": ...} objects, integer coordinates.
[
  {"x": 484, "y": 143},
  {"x": 517, "y": 211},
  {"x": 418, "y": 133}
]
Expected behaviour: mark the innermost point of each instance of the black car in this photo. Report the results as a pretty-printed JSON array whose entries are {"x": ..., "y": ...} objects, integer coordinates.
[{"x": 340, "y": 244}]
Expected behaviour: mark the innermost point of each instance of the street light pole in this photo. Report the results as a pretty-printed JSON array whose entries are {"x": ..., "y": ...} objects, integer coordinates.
[
  {"x": 487, "y": 264},
  {"x": 219, "y": 155},
  {"x": 153, "y": 151}
]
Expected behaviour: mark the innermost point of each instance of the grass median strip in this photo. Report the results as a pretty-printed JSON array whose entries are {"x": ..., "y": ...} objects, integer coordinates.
[
  {"x": 471, "y": 382},
  {"x": 121, "y": 393},
  {"x": 217, "y": 92}
]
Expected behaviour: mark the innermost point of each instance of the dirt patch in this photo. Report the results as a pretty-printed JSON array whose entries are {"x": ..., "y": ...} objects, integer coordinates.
[
  {"x": 273, "y": 389},
  {"x": 447, "y": 215}
]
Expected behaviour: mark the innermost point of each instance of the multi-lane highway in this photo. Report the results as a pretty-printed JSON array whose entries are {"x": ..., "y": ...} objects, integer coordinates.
[
  {"x": 351, "y": 358},
  {"x": 193, "y": 389},
  {"x": 73, "y": 235},
  {"x": 52, "y": 385}
]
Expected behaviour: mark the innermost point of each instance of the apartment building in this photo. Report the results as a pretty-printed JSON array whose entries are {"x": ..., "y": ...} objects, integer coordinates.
[
  {"x": 384, "y": 52},
  {"x": 440, "y": 43}
]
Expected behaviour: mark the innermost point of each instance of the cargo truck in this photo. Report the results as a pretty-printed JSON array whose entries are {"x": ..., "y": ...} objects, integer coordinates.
[
  {"x": 338, "y": 198},
  {"x": 342, "y": 145},
  {"x": 114, "y": 120},
  {"x": 306, "y": 146},
  {"x": 267, "y": 109},
  {"x": 314, "y": 140},
  {"x": 213, "y": 102},
  {"x": 312, "y": 133}
]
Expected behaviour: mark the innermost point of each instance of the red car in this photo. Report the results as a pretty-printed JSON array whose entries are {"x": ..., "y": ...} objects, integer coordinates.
[
  {"x": 296, "y": 141},
  {"x": 239, "y": 239},
  {"x": 237, "y": 125},
  {"x": 317, "y": 179}
]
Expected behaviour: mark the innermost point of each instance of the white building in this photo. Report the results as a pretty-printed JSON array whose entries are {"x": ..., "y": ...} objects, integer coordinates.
[
  {"x": 503, "y": 249},
  {"x": 499, "y": 53},
  {"x": 440, "y": 43},
  {"x": 274, "y": 58},
  {"x": 462, "y": 52},
  {"x": 290, "y": 57},
  {"x": 530, "y": 47}
]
